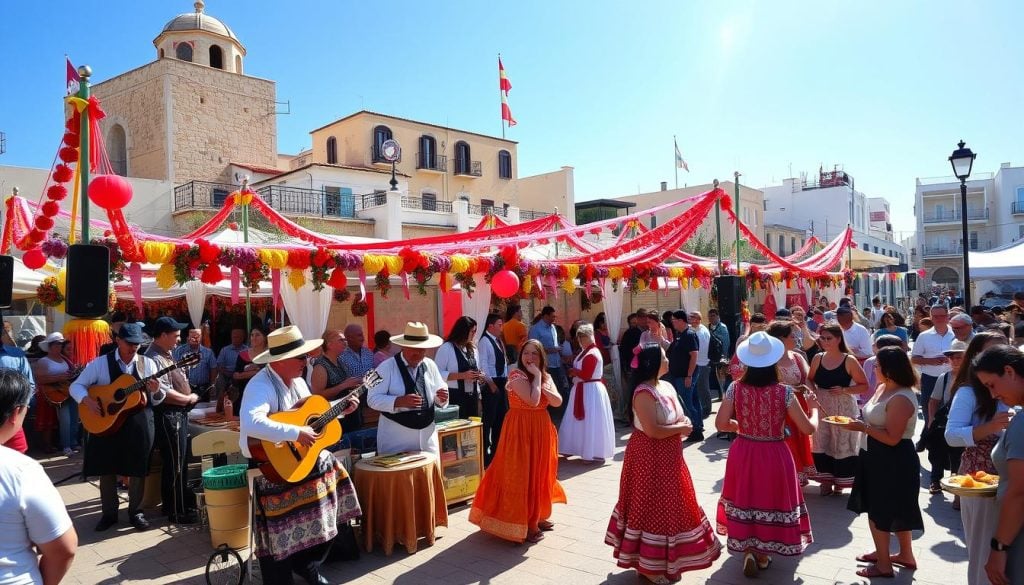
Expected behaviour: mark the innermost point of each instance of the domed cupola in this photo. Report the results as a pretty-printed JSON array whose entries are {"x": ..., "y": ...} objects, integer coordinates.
[{"x": 199, "y": 38}]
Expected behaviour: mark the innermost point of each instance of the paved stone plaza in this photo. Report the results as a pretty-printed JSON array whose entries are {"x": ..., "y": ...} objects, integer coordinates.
[{"x": 574, "y": 554}]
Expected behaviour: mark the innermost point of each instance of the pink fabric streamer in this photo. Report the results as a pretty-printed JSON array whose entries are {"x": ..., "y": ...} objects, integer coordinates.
[
  {"x": 135, "y": 275},
  {"x": 235, "y": 277}
]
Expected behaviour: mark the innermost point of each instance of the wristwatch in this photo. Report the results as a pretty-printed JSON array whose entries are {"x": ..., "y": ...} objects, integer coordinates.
[{"x": 998, "y": 546}]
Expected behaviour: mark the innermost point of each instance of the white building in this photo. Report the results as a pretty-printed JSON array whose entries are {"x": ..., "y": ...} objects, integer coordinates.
[{"x": 995, "y": 217}]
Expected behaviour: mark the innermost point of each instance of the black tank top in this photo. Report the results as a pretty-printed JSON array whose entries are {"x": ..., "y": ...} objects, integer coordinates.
[{"x": 839, "y": 377}]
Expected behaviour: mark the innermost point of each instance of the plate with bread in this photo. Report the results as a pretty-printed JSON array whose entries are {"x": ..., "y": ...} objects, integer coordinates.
[
  {"x": 838, "y": 420},
  {"x": 978, "y": 484}
]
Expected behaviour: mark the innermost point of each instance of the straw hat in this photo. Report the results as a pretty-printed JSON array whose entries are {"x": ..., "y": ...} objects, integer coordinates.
[
  {"x": 286, "y": 342},
  {"x": 760, "y": 350},
  {"x": 956, "y": 347},
  {"x": 416, "y": 336},
  {"x": 55, "y": 337}
]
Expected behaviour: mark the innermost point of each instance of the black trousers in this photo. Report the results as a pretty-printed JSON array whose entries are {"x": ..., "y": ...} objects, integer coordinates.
[
  {"x": 172, "y": 441},
  {"x": 280, "y": 572},
  {"x": 495, "y": 407},
  {"x": 466, "y": 402},
  {"x": 942, "y": 457}
]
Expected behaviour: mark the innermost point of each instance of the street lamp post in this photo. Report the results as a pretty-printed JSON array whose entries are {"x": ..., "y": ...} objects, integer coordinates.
[{"x": 962, "y": 160}]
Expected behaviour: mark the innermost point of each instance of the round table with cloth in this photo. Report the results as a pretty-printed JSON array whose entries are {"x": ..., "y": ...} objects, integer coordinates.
[{"x": 402, "y": 503}]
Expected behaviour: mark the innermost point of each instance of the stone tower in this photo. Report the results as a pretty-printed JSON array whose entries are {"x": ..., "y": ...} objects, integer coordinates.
[{"x": 191, "y": 112}]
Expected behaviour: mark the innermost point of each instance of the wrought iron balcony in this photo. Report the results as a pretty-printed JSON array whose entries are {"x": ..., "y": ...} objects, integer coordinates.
[
  {"x": 426, "y": 204},
  {"x": 950, "y": 216},
  {"x": 431, "y": 162},
  {"x": 469, "y": 168},
  {"x": 485, "y": 209},
  {"x": 1017, "y": 207},
  {"x": 201, "y": 195},
  {"x": 284, "y": 198},
  {"x": 955, "y": 249}
]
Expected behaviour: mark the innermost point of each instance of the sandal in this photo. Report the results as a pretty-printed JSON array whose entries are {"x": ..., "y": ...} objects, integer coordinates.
[
  {"x": 546, "y": 525},
  {"x": 764, "y": 565},
  {"x": 535, "y": 537},
  {"x": 871, "y": 558},
  {"x": 825, "y": 489},
  {"x": 872, "y": 572},
  {"x": 749, "y": 565}
]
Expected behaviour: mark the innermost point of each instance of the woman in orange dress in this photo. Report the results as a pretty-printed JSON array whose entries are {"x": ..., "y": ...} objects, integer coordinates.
[{"x": 515, "y": 495}]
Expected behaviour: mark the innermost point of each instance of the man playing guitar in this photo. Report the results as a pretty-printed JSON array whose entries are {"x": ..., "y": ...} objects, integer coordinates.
[
  {"x": 125, "y": 452},
  {"x": 292, "y": 539}
]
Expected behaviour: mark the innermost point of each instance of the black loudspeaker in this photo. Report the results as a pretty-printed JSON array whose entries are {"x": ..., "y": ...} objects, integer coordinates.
[
  {"x": 6, "y": 281},
  {"x": 731, "y": 291},
  {"x": 88, "y": 281},
  {"x": 911, "y": 281}
]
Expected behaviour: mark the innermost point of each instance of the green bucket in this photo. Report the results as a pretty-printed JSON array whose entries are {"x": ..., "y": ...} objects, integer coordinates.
[{"x": 225, "y": 477}]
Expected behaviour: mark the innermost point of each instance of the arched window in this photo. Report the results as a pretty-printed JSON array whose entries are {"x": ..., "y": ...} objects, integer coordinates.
[
  {"x": 504, "y": 164},
  {"x": 238, "y": 64},
  {"x": 380, "y": 135},
  {"x": 462, "y": 159},
  {"x": 332, "y": 151},
  {"x": 117, "y": 150},
  {"x": 161, "y": 53},
  {"x": 427, "y": 158},
  {"x": 183, "y": 51},
  {"x": 216, "y": 57}
]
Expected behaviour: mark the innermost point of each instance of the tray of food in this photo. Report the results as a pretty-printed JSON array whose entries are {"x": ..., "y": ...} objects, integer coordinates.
[
  {"x": 976, "y": 485},
  {"x": 838, "y": 420}
]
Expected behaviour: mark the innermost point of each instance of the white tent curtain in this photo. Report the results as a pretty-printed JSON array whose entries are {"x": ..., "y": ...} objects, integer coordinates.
[
  {"x": 689, "y": 299},
  {"x": 779, "y": 294},
  {"x": 613, "y": 315},
  {"x": 307, "y": 308},
  {"x": 832, "y": 293},
  {"x": 478, "y": 305},
  {"x": 195, "y": 297}
]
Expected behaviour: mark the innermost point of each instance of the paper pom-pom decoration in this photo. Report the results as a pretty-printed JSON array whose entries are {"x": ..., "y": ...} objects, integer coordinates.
[
  {"x": 57, "y": 192},
  {"x": 44, "y": 223},
  {"x": 68, "y": 154},
  {"x": 34, "y": 259},
  {"x": 110, "y": 192}
]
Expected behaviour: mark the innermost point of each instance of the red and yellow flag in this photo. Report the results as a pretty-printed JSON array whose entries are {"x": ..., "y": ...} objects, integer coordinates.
[{"x": 505, "y": 86}]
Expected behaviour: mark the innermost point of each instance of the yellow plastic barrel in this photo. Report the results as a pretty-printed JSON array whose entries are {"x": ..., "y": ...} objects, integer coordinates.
[{"x": 226, "y": 492}]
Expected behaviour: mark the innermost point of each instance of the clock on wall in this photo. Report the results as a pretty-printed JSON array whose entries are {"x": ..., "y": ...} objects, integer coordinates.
[{"x": 390, "y": 150}]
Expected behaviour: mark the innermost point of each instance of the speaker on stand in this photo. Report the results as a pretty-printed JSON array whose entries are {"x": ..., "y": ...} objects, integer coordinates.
[
  {"x": 732, "y": 291},
  {"x": 6, "y": 281},
  {"x": 87, "y": 290}
]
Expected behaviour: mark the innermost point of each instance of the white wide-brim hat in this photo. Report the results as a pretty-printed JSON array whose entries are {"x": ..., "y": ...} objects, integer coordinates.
[
  {"x": 416, "y": 336},
  {"x": 286, "y": 342},
  {"x": 55, "y": 337},
  {"x": 760, "y": 350}
]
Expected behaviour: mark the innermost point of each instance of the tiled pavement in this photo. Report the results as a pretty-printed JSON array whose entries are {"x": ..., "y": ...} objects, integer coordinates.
[{"x": 574, "y": 554}]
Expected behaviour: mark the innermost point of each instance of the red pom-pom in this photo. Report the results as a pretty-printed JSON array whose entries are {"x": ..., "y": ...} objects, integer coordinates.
[
  {"x": 208, "y": 253},
  {"x": 68, "y": 154},
  {"x": 36, "y": 236},
  {"x": 62, "y": 173},
  {"x": 34, "y": 259},
  {"x": 298, "y": 259},
  {"x": 71, "y": 138},
  {"x": 233, "y": 225},
  {"x": 338, "y": 279},
  {"x": 111, "y": 192},
  {"x": 44, "y": 223},
  {"x": 107, "y": 233},
  {"x": 57, "y": 192},
  {"x": 74, "y": 122},
  {"x": 51, "y": 208},
  {"x": 212, "y": 274}
]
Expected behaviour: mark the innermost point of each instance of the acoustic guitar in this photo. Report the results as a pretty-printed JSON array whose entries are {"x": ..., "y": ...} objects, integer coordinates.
[
  {"x": 122, "y": 398},
  {"x": 58, "y": 392},
  {"x": 290, "y": 461}
]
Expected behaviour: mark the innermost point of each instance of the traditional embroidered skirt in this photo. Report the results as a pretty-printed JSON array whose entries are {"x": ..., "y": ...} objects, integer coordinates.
[{"x": 293, "y": 517}]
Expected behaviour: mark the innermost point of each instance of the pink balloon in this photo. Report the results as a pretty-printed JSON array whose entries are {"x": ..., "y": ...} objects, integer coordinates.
[
  {"x": 505, "y": 283},
  {"x": 111, "y": 192},
  {"x": 34, "y": 259}
]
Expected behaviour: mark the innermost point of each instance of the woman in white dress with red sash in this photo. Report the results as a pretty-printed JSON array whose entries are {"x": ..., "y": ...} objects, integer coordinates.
[{"x": 587, "y": 430}]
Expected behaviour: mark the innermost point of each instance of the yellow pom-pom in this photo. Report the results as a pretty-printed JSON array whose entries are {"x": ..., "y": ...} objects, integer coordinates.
[
  {"x": 615, "y": 272},
  {"x": 296, "y": 278},
  {"x": 394, "y": 263},
  {"x": 527, "y": 285},
  {"x": 157, "y": 252},
  {"x": 572, "y": 271},
  {"x": 459, "y": 263},
  {"x": 274, "y": 259},
  {"x": 165, "y": 276}
]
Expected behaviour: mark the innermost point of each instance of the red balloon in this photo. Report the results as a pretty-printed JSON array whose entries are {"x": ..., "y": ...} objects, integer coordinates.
[
  {"x": 111, "y": 192},
  {"x": 34, "y": 259},
  {"x": 233, "y": 225},
  {"x": 505, "y": 283}
]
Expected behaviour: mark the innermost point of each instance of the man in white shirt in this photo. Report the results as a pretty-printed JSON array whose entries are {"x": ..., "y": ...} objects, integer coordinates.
[
  {"x": 495, "y": 370},
  {"x": 877, "y": 310},
  {"x": 856, "y": 336},
  {"x": 38, "y": 542},
  {"x": 703, "y": 371},
  {"x": 410, "y": 386},
  {"x": 277, "y": 387},
  {"x": 929, "y": 355},
  {"x": 125, "y": 452}
]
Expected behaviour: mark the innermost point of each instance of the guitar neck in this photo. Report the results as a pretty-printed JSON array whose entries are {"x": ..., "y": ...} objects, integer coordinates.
[
  {"x": 142, "y": 383},
  {"x": 336, "y": 410}
]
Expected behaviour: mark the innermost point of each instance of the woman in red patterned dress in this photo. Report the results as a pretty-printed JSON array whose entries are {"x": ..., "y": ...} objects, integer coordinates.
[
  {"x": 657, "y": 527},
  {"x": 793, "y": 372},
  {"x": 762, "y": 509}
]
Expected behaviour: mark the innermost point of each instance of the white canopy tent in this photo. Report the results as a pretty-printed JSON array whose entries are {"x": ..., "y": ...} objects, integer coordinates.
[{"x": 1002, "y": 263}]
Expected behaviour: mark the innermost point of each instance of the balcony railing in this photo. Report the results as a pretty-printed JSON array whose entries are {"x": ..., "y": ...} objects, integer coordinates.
[
  {"x": 431, "y": 162},
  {"x": 946, "y": 216},
  {"x": 284, "y": 198},
  {"x": 377, "y": 155},
  {"x": 201, "y": 195},
  {"x": 955, "y": 249},
  {"x": 1017, "y": 207},
  {"x": 469, "y": 168},
  {"x": 426, "y": 204},
  {"x": 485, "y": 209},
  {"x": 375, "y": 199},
  {"x": 529, "y": 214},
  {"x": 951, "y": 180}
]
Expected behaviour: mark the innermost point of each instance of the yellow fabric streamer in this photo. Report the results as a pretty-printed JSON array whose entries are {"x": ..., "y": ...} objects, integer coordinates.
[
  {"x": 641, "y": 284},
  {"x": 72, "y": 235},
  {"x": 373, "y": 263},
  {"x": 275, "y": 259},
  {"x": 459, "y": 263},
  {"x": 569, "y": 285},
  {"x": 77, "y": 102},
  {"x": 296, "y": 278},
  {"x": 165, "y": 276},
  {"x": 394, "y": 263},
  {"x": 157, "y": 252},
  {"x": 527, "y": 285}
]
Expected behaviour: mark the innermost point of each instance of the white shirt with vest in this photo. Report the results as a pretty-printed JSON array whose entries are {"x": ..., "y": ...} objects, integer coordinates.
[
  {"x": 490, "y": 363},
  {"x": 391, "y": 436},
  {"x": 261, "y": 398}
]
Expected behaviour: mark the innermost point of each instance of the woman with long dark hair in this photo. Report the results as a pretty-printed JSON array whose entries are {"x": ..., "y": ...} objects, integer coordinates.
[
  {"x": 658, "y": 528},
  {"x": 515, "y": 495},
  {"x": 762, "y": 509},
  {"x": 976, "y": 421},
  {"x": 887, "y": 481},
  {"x": 1000, "y": 369},
  {"x": 458, "y": 361},
  {"x": 793, "y": 370},
  {"x": 836, "y": 379},
  {"x": 891, "y": 323}
]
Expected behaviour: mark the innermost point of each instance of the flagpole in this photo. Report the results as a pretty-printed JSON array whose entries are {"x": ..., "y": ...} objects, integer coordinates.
[
  {"x": 675, "y": 162},
  {"x": 736, "y": 208},
  {"x": 84, "y": 156},
  {"x": 501, "y": 96}
]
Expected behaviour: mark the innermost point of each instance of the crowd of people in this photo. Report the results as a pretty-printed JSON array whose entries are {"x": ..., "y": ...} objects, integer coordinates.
[{"x": 543, "y": 392}]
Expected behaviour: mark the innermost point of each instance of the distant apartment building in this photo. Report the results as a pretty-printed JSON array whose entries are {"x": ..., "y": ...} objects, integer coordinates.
[{"x": 995, "y": 217}]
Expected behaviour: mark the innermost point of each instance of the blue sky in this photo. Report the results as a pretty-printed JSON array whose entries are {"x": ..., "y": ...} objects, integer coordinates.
[{"x": 884, "y": 88}]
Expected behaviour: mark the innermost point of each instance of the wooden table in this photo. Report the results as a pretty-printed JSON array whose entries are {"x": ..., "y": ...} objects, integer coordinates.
[{"x": 400, "y": 504}]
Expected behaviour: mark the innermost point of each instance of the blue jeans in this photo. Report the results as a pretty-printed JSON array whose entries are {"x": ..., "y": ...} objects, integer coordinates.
[
  {"x": 67, "y": 420},
  {"x": 691, "y": 402}
]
